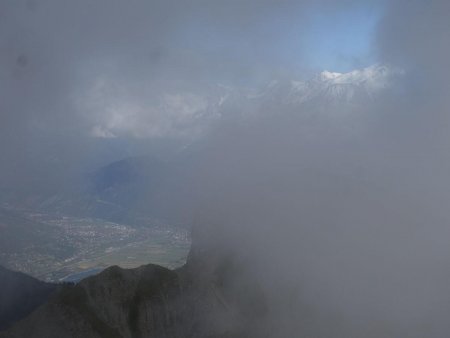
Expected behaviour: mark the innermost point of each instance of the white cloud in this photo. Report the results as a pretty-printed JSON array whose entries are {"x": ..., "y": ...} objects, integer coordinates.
[{"x": 117, "y": 111}]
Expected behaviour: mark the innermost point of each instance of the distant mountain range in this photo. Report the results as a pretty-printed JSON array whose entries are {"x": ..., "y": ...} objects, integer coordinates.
[
  {"x": 331, "y": 86},
  {"x": 189, "y": 115},
  {"x": 129, "y": 191},
  {"x": 136, "y": 189}
]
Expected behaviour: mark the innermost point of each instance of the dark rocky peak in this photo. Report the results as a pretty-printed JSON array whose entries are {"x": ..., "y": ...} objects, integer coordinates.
[{"x": 211, "y": 296}]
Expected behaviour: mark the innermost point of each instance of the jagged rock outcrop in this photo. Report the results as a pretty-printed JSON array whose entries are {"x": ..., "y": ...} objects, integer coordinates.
[{"x": 201, "y": 299}]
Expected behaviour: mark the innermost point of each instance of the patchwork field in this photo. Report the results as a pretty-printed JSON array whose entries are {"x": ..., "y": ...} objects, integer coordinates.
[{"x": 54, "y": 247}]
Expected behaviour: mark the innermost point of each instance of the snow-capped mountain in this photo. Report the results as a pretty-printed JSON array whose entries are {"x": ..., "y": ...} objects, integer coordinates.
[
  {"x": 188, "y": 115},
  {"x": 330, "y": 87}
]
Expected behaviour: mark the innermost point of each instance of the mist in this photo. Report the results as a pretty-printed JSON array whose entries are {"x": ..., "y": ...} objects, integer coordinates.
[
  {"x": 346, "y": 219},
  {"x": 337, "y": 212},
  {"x": 341, "y": 211}
]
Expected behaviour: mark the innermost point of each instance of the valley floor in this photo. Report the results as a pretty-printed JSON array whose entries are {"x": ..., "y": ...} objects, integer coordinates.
[{"x": 55, "y": 247}]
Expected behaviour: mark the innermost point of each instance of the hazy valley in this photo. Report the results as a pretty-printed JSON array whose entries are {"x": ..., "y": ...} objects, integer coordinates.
[{"x": 52, "y": 247}]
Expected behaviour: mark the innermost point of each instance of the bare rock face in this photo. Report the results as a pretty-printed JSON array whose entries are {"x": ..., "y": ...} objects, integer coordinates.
[
  {"x": 116, "y": 303},
  {"x": 200, "y": 299}
]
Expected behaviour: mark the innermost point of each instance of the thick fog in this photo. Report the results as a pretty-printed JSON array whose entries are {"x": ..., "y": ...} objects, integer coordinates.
[
  {"x": 346, "y": 218},
  {"x": 340, "y": 212}
]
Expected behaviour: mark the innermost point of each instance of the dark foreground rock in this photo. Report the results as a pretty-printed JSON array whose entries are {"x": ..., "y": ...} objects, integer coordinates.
[
  {"x": 197, "y": 300},
  {"x": 20, "y": 294}
]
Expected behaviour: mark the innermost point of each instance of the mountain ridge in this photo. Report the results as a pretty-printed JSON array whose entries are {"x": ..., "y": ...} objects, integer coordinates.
[
  {"x": 20, "y": 294},
  {"x": 196, "y": 300}
]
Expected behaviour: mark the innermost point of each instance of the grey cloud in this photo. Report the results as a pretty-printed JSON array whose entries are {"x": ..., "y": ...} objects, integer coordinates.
[{"x": 347, "y": 230}]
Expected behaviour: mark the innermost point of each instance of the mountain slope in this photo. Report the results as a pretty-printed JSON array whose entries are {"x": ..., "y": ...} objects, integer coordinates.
[
  {"x": 20, "y": 295},
  {"x": 198, "y": 300}
]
